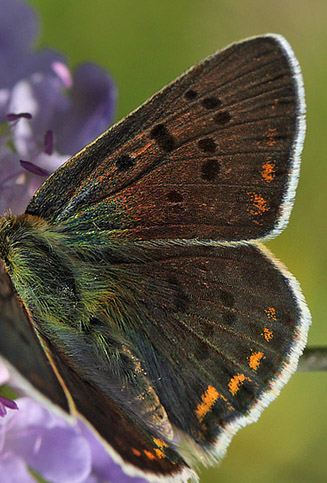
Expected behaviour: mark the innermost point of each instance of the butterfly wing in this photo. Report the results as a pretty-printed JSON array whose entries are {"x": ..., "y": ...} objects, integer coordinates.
[
  {"x": 20, "y": 347},
  {"x": 219, "y": 329},
  {"x": 221, "y": 332},
  {"x": 139, "y": 449},
  {"x": 214, "y": 155}
]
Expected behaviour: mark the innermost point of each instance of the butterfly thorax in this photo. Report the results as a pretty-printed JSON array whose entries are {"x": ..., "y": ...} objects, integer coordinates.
[{"x": 42, "y": 274}]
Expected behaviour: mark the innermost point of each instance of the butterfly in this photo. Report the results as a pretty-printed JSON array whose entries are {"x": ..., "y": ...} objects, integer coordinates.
[{"x": 140, "y": 273}]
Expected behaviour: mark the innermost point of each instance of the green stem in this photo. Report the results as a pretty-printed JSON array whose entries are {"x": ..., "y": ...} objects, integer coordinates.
[{"x": 313, "y": 359}]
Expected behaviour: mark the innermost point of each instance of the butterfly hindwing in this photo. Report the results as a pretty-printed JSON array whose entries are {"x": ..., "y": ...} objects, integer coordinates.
[
  {"x": 216, "y": 331},
  {"x": 213, "y": 155},
  {"x": 140, "y": 449},
  {"x": 221, "y": 331}
]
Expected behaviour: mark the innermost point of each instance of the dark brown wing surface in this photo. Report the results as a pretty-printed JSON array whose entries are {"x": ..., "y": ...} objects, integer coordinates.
[{"x": 20, "y": 346}]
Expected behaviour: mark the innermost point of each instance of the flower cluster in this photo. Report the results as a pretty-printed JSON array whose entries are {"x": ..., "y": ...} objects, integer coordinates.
[{"x": 46, "y": 115}]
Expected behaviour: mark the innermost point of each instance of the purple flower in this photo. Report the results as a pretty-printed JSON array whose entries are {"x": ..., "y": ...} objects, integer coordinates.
[
  {"x": 57, "y": 451},
  {"x": 34, "y": 437},
  {"x": 6, "y": 403},
  {"x": 46, "y": 115}
]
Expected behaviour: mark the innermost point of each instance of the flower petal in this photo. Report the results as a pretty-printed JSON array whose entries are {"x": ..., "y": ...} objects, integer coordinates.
[
  {"x": 4, "y": 374},
  {"x": 19, "y": 29},
  {"x": 63, "y": 456},
  {"x": 14, "y": 117},
  {"x": 14, "y": 469},
  {"x": 33, "y": 168},
  {"x": 48, "y": 444},
  {"x": 48, "y": 142},
  {"x": 91, "y": 109},
  {"x": 6, "y": 403}
]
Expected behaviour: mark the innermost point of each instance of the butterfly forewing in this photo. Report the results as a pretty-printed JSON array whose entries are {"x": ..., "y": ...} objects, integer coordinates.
[{"x": 210, "y": 156}]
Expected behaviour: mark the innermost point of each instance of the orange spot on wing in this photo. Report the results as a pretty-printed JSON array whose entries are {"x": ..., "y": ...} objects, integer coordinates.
[
  {"x": 268, "y": 172},
  {"x": 268, "y": 335},
  {"x": 255, "y": 359},
  {"x": 160, "y": 443},
  {"x": 270, "y": 133},
  {"x": 236, "y": 382},
  {"x": 260, "y": 205},
  {"x": 149, "y": 455},
  {"x": 271, "y": 313},
  {"x": 208, "y": 400},
  {"x": 159, "y": 454},
  {"x": 136, "y": 452}
]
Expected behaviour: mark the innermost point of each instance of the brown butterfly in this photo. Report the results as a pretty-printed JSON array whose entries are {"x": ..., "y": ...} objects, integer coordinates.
[{"x": 140, "y": 272}]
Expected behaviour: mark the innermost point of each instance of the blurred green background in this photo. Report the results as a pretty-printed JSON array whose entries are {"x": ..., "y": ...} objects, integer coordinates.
[{"x": 147, "y": 43}]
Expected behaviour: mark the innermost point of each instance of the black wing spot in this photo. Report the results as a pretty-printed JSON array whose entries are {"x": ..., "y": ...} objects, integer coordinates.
[
  {"x": 181, "y": 299},
  {"x": 209, "y": 330},
  {"x": 211, "y": 102},
  {"x": 229, "y": 318},
  {"x": 174, "y": 197},
  {"x": 207, "y": 145},
  {"x": 191, "y": 94},
  {"x": 226, "y": 298},
  {"x": 124, "y": 162},
  {"x": 163, "y": 137},
  {"x": 210, "y": 169},
  {"x": 201, "y": 351},
  {"x": 222, "y": 117}
]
